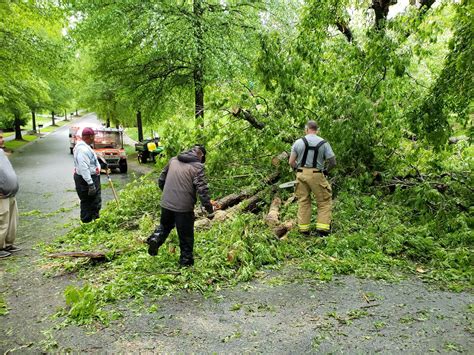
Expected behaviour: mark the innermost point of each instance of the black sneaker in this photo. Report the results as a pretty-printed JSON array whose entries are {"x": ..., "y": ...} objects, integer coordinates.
[{"x": 153, "y": 245}]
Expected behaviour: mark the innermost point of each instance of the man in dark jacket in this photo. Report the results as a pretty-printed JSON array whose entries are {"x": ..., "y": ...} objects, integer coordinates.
[{"x": 180, "y": 180}]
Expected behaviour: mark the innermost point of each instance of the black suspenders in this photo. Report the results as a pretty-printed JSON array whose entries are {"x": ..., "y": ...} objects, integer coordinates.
[{"x": 315, "y": 149}]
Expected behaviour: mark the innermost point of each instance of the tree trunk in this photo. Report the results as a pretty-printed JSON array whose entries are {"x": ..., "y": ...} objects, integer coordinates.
[
  {"x": 33, "y": 120},
  {"x": 65, "y": 115},
  {"x": 232, "y": 199},
  {"x": 77, "y": 113},
  {"x": 381, "y": 8},
  {"x": 345, "y": 30},
  {"x": 107, "y": 122},
  {"x": 198, "y": 72},
  {"x": 18, "y": 127},
  {"x": 139, "y": 126},
  {"x": 52, "y": 118}
]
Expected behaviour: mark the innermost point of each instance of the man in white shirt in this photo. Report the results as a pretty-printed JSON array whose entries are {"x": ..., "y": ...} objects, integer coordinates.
[{"x": 87, "y": 176}]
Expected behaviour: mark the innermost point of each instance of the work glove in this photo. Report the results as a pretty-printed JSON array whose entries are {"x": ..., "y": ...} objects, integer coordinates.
[
  {"x": 91, "y": 190},
  {"x": 210, "y": 211}
]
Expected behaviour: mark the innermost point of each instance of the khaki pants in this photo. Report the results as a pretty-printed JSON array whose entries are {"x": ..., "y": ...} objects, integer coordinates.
[
  {"x": 8, "y": 221},
  {"x": 312, "y": 181}
]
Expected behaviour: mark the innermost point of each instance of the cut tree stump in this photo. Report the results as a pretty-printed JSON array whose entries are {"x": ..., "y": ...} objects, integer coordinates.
[
  {"x": 282, "y": 229},
  {"x": 273, "y": 217},
  {"x": 283, "y": 156}
]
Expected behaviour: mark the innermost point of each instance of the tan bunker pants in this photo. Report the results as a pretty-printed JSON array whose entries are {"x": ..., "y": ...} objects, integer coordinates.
[
  {"x": 312, "y": 180},
  {"x": 8, "y": 221}
]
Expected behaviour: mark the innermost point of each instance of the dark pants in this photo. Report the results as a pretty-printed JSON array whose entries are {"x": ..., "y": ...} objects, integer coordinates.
[
  {"x": 90, "y": 205},
  {"x": 184, "y": 222}
]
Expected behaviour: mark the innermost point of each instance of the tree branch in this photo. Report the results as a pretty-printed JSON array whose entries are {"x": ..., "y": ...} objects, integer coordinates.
[{"x": 247, "y": 116}]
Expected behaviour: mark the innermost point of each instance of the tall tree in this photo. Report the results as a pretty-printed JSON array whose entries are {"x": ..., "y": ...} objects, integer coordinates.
[
  {"x": 30, "y": 33},
  {"x": 154, "y": 51}
]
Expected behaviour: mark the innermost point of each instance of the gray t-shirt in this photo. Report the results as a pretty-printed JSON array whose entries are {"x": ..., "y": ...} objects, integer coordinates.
[
  {"x": 325, "y": 151},
  {"x": 8, "y": 179}
]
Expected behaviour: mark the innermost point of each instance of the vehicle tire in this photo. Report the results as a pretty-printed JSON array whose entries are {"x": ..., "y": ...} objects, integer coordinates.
[
  {"x": 103, "y": 166},
  {"x": 144, "y": 157},
  {"x": 123, "y": 166}
]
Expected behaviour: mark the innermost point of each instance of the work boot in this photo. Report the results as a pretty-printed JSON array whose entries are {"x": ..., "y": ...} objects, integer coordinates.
[
  {"x": 322, "y": 233},
  {"x": 4, "y": 254},
  {"x": 188, "y": 261},
  {"x": 154, "y": 242}
]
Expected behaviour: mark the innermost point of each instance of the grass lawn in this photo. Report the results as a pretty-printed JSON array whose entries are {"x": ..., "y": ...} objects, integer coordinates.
[
  {"x": 13, "y": 145},
  {"x": 8, "y": 134},
  {"x": 52, "y": 128},
  {"x": 132, "y": 132}
]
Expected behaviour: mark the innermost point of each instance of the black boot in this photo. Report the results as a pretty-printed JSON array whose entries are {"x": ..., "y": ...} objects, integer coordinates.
[
  {"x": 154, "y": 241},
  {"x": 322, "y": 233},
  {"x": 186, "y": 261}
]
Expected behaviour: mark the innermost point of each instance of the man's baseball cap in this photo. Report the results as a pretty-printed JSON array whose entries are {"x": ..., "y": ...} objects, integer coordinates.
[{"x": 88, "y": 132}]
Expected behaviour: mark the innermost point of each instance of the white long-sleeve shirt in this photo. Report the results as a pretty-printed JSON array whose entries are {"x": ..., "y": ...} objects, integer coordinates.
[{"x": 85, "y": 161}]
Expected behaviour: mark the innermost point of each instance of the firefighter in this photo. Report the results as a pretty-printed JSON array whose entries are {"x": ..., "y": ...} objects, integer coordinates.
[
  {"x": 87, "y": 176},
  {"x": 313, "y": 158},
  {"x": 181, "y": 178}
]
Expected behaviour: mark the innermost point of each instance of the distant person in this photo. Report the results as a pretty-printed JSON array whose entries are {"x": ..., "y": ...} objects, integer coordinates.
[
  {"x": 8, "y": 207},
  {"x": 309, "y": 156},
  {"x": 87, "y": 176},
  {"x": 180, "y": 180}
]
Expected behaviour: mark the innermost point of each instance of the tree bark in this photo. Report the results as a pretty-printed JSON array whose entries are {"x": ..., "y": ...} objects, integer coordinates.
[
  {"x": 426, "y": 4},
  {"x": 198, "y": 72},
  {"x": 65, "y": 115},
  {"x": 381, "y": 8},
  {"x": 17, "y": 124},
  {"x": 33, "y": 120},
  {"x": 139, "y": 126},
  {"x": 93, "y": 255},
  {"x": 247, "y": 116},
  {"x": 283, "y": 156},
  {"x": 346, "y": 31},
  {"x": 52, "y": 118},
  {"x": 107, "y": 122},
  {"x": 232, "y": 199}
]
